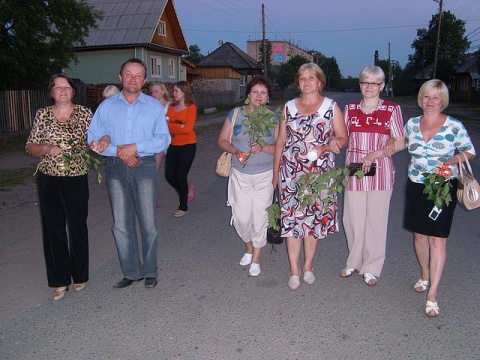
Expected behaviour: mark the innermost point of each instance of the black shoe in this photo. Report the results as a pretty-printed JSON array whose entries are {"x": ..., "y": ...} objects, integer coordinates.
[
  {"x": 150, "y": 282},
  {"x": 124, "y": 283}
]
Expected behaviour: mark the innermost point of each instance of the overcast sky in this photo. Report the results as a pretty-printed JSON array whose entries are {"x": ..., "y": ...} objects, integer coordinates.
[{"x": 349, "y": 30}]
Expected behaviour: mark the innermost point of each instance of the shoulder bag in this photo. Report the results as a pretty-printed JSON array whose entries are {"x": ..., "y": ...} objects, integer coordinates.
[
  {"x": 224, "y": 162},
  {"x": 468, "y": 193}
]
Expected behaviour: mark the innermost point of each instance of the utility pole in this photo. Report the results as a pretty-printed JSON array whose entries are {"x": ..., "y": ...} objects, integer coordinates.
[
  {"x": 437, "y": 44},
  {"x": 264, "y": 42},
  {"x": 390, "y": 88}
]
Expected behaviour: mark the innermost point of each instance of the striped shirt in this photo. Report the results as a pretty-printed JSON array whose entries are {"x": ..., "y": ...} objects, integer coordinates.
[{"x": 368, "y": 133}]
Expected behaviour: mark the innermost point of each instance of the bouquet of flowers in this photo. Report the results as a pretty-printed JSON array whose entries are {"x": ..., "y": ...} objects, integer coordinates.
[{"x": 437, "y": 185}]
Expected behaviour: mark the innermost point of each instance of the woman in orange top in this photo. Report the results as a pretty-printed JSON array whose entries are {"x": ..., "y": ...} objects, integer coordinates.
[{"x": 181, "y": 117}]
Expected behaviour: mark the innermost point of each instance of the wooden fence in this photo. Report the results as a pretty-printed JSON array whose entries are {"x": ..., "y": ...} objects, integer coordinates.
[{"x": 18, "y": 108}]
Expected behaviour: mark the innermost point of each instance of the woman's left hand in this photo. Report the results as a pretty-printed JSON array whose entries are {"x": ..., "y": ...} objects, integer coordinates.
[
  {"x": 367, "y": 163},
  {"x": 335, "y": 145},
  {"x": 255, "y": 148}
]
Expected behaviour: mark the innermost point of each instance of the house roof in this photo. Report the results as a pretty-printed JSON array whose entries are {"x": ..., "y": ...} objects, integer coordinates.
[
  {"x": 127, "y": 22},
  {"x": 229, "y": 55},
  {"x": 425, "y": 74},
  {"x": 471, "y": 66}
]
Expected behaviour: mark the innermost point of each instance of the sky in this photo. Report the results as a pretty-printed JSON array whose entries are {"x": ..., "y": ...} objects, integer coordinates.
[{"x": 349, "y": 30}]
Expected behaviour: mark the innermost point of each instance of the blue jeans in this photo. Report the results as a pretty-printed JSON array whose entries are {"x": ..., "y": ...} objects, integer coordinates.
[{"x": 133, "y": 191}]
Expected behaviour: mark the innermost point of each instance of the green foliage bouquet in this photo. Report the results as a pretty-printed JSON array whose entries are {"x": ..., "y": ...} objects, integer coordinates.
[
  {"x": 259, "y": 123},
  {"x": 89, "y": 157},
  {"x": 437, "y": 186},
  {"x": 313, "y": 185}
]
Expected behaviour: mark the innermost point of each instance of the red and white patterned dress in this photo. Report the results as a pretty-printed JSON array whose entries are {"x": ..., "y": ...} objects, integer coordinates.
[
  {"x": 368, "y": 133},
  {"x": 303, "y": 132}
]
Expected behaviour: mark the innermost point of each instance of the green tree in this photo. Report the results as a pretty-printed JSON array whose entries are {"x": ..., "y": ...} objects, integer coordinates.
[
  {"x": 452, "y": 49},
  {"x": 288, "y": 70},
  {"x": 194, "y": 55},
  {"x": 330, "y": 67},
  {"x": 37, "y": 38}
]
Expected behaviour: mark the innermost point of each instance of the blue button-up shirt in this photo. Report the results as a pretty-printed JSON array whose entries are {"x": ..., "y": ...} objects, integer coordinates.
[{"x": 142, "y": 123}]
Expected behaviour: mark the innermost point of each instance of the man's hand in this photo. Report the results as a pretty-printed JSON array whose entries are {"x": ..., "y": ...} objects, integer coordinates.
[
  {"x": 126, "y": 151},
  {"x": 132, "y": 161}
]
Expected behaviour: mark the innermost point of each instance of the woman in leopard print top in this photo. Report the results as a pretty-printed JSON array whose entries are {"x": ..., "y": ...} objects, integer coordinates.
[{"x": 62, "y": 191}]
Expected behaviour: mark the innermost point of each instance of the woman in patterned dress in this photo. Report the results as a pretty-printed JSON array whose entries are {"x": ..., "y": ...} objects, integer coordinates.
[
  {"x": 310, "y": 123},
  {"x": 431, "y": 139},
  {"x": 62, "y": 192}
]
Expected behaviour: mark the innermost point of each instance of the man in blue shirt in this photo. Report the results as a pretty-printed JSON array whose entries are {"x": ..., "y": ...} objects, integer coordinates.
[{"x": 136, "y": 128}]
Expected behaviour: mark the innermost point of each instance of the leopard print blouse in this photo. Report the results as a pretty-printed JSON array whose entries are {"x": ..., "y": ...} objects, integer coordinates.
[{"x": 48, "y": 130}]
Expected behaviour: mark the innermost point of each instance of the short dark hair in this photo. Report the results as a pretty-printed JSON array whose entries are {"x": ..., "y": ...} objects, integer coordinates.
[
  {"x": 134, "y": 61},
  {"x": 51, "y": 84},
  {"x": 259, "y": 80}
]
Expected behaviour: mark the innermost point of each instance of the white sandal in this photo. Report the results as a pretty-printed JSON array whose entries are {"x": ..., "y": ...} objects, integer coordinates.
[
  {"x": 346, "y": 272},
  {"x": 432, "y": 306},
  {"x": 421, "y": 285},
  {"x": 370, "y": 279}
]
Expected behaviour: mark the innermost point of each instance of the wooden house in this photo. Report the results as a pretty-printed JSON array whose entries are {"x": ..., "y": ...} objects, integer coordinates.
[
  {"x": 144, "y": 29},
  {"x": 227, "y": 68},
  {"x": 467, "y": 81}
]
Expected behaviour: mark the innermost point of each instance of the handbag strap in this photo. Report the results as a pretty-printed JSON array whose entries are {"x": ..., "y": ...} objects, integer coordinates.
[
  {"x": 234, "y": 119},
  {"x": 461, "y": 166}
]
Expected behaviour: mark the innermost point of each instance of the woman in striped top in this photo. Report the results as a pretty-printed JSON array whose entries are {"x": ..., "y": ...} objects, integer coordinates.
[{"x": 371, "y": 123}]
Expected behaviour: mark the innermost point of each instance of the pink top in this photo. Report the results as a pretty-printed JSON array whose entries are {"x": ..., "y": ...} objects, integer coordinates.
[{"x": 368, "y": 133}]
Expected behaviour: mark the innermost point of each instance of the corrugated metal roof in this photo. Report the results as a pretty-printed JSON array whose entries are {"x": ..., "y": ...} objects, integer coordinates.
[
  {"x": 125, "y": 22},
  {"x": 229, "y": 55}
]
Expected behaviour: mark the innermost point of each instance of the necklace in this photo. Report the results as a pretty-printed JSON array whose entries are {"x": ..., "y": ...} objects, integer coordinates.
[{"x": 363, "y": 106}]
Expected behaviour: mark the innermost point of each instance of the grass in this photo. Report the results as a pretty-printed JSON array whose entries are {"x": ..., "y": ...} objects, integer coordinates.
[
  {"x": 13, "y": 144},
  {"x": 14, "y": 177}
]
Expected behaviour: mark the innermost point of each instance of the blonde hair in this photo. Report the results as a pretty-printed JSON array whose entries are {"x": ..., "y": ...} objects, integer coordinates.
[
  {"x": 373, "y": 71},
  {"x": 110, "y": 90},
  {"x": 434, "y": 84},
  {"x": 166, "y": 93},
  {"x": 318, "y": 73}
]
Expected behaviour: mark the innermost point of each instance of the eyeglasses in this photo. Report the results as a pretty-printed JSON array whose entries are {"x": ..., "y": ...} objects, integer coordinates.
[{"x": 372, "y": 84}]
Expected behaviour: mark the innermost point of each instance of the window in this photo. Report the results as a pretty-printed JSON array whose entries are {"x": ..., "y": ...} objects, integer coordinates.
[
  {"x": 161, "y": 28},
  {"x": 171, "y": 68},
  {"x": 156, "y": 66},
  {"x": 183, "y": 73}
]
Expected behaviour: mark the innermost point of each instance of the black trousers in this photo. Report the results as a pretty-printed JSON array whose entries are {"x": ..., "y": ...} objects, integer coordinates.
[
  {"x": 178, "y": 162},
  {"x": 64, "y": 205}
]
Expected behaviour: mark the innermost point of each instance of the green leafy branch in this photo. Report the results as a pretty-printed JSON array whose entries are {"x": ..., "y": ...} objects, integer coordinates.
[
  {"x": 273, "y": 212},
  {"x": 325, "y": 185},
  {"x": 89, "y": 158},
  {"x": 260, "y": 122},
  {"x": 438, "y": 189}
]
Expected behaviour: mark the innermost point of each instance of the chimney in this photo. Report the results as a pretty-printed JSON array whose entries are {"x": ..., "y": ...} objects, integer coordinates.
[{"x": 220, "y": 43}]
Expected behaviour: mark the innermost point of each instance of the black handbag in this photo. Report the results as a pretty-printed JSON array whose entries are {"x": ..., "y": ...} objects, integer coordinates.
[
  {"x": 274, "y": 236},
  {"x": 354, "y": 167}
]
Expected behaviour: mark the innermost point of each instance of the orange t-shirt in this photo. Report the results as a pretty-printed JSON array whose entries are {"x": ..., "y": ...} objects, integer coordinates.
[{"x": 181, "y": 125}]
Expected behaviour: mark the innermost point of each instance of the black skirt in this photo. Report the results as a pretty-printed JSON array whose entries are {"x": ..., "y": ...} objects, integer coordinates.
[{"x": 418, "y": 208}]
